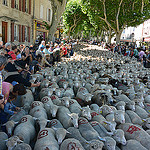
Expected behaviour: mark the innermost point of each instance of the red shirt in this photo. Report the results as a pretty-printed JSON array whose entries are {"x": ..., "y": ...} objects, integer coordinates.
[
  {"x": 12, "y": 54},
  {"x": 65, "y": 50}
]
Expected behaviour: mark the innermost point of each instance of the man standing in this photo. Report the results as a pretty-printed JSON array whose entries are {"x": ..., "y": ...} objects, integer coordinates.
[{"x": 12, "y": 53}]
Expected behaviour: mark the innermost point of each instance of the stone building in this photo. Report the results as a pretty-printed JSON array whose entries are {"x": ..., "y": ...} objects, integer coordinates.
[
  {"x": 42, "y": 12},
  {"x": 16, "y": 21}
]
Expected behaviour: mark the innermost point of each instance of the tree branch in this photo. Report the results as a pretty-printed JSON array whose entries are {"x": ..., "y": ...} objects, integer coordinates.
[{"x": 118, "y": 15}]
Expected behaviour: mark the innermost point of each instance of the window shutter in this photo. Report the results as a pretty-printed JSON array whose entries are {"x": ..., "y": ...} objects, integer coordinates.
[
  {"x": 12, "y": 3},
  {"x": 20, "y": 5},
  {"x": 23, "y": 33},
  {"x": 47, "y": 13},
  {"x": 12, "y": 32},
  {"x": 29, "y": 6},
  {"x": 51, "y": 15},
  {"x": 23, "y": 6},
  {"x": 28, "y": 34},
  {"x": 19, "y": 33}
]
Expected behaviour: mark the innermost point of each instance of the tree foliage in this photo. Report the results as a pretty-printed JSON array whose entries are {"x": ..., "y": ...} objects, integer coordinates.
[
  {"x": 73, "y": 16},
  {"x": 117, "y": 14}
]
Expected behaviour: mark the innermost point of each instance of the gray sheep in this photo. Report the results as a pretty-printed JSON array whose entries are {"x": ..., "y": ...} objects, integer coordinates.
[
  {"x": 136, "y": 133},
  {"x": 133, "y": 145},
  {"x": 70, "y": 144},
  {"x": 3, "y": 139},
  {"x": 67, "y": 118},
  {"x": 25, "y": 130},
  {"x": 46, "y": 140},
  {"x": 23, "y": 146}
]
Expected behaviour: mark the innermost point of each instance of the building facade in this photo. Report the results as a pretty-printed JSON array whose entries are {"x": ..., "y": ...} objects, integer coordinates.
[
  {"x": 42, "y": 12},
  {"x": 16, "y": 21}
]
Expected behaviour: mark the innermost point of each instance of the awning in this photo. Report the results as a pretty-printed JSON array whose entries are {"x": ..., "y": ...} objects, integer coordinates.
[
  {"x": 126, "y": 40},
  {"x": 9, "y": 18},
  {"x": 147, "y": 39}
]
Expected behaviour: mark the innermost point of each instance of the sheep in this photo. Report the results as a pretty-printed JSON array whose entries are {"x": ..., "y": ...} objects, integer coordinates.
[
  {"x": 69, "y": 93},
  {"x": 3, "y": 139},
  {"x": 70, "y": 144},
  {"x": 84, "y": 95},
  {"x": 55, "y": 123},
  {"x": 18, "y": 116},
  {"x": 10, "y": 126},
  {"x": 88, "y": 145},
  {"x": 141, "y": 112},
  {"x": 133, "y": 145},
  {"x": 86, "y": 130},
  {"x": 12, "y": 142},
  {"x": 120, "y": 105},
  {"x": 147, "y": 99},
  {"x": 118, "y": 136},
  {"x": 134, "y": 132},
  {"x": 45, "y": 92},
  {"x": 95, "y": 108},
  {"x": 67, "y": 118},
  {"x": 25, "y": 130},
  {"x": 23, "y": 146},
  {"x": 62, "y": 83},
  {"x": 109, "y": 143},
  {"x": 50, "y": 108},
  {"x": 46, "y": 140},
  {"x": 135, "y": 119},
  {"x": 109, "y": 125},
  {"x": 60, "y": 134},
  {"x": 26, "y": 100}
]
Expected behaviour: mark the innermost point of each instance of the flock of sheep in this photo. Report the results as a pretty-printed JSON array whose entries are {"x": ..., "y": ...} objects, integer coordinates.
[{"x": 93, "y": 101}]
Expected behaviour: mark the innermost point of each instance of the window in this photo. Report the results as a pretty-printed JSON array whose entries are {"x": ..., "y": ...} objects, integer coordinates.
[
  {"x": 26, "y": 6},
  {"x": 16, "y": 32},
  {"x": 5, "y": 2},
  {"x": 17, "y": 4},
  {"x": 41, "y": 11},
  {"x": 48, "y": 14},
  {"x": 26, "y": 34}
]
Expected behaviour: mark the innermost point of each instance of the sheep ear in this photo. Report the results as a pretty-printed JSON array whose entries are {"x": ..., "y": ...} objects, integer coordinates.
[
  {"x": 48, "y": 121},
  {"x": 102, "y": 139},
  {"x": 69, "y": 115},
  {"x": 88, "y": 142},
  {"x": 4, "y": 124},
  {"x": 68, "y": 132},
  {"x": 20, "y": 141},
  {"x": 35, "y": 118},
  {"x": 88, "y": 106},
  {"x": 6, "y": 140},
  {"x": 16, "y": 122}
]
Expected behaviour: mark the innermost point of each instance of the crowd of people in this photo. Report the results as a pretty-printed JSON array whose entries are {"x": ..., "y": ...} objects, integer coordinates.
[
  {"x": 141, "y": 54},
  {"x": 18, "y": 63}
]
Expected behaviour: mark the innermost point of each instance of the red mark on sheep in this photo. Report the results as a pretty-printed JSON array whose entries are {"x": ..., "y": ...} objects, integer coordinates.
[
  {"x": 132, "y": 129},
  {"x": 52, "y": 123},
  {"x": 53, "y": 97},
  {"x": 24, "y": 119},
  {"x": 42, "y": 134},
  {"x": 94, "y": 124},
  {"x": 34, "y": 104},
  {"x": 45, "y": 100},
  {"x": 93, "y": 114},
  {"x": 82, "y": 121},
  {"x": 71, "y": 102},
  {"x": 72, "y": 146}
]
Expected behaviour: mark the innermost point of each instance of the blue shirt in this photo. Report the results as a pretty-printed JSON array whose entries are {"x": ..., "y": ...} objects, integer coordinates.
[{"x": 9, "y": 107}]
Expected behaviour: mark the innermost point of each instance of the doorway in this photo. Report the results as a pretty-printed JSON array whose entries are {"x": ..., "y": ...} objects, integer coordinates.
[{"x": 4, "y": 32}]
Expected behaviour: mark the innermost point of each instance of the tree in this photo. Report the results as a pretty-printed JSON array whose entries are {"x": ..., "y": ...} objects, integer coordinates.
[
  {"x": 58, "y": 7},
  {"x": 117, "y": 14},
  {"x": 73, "y": 16}
]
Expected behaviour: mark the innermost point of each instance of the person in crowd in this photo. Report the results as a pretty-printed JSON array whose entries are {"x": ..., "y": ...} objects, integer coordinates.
[
  {"x": 148, "y": 60},
  {"x": 65, "y": 50},
  {"x": 12, "y": 53},
  {"x": 40, "y": 51},
  {"x": 7, "y": 48},
  {"x": 14, "y": 73},
  {"x": 141, "y": 53},
  {"x": 136, "y": 53},
  {"x": 18, "y": 55},
  {"x": 10, "y": 93},
  {"x": 42, "y": 44},
  {"x": 46, "y": 50}
]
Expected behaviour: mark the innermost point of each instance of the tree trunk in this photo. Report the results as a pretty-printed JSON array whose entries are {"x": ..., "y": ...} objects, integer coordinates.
[
  {"x": 58, "y": 9},
  {"x": 118, "y": 35}
]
